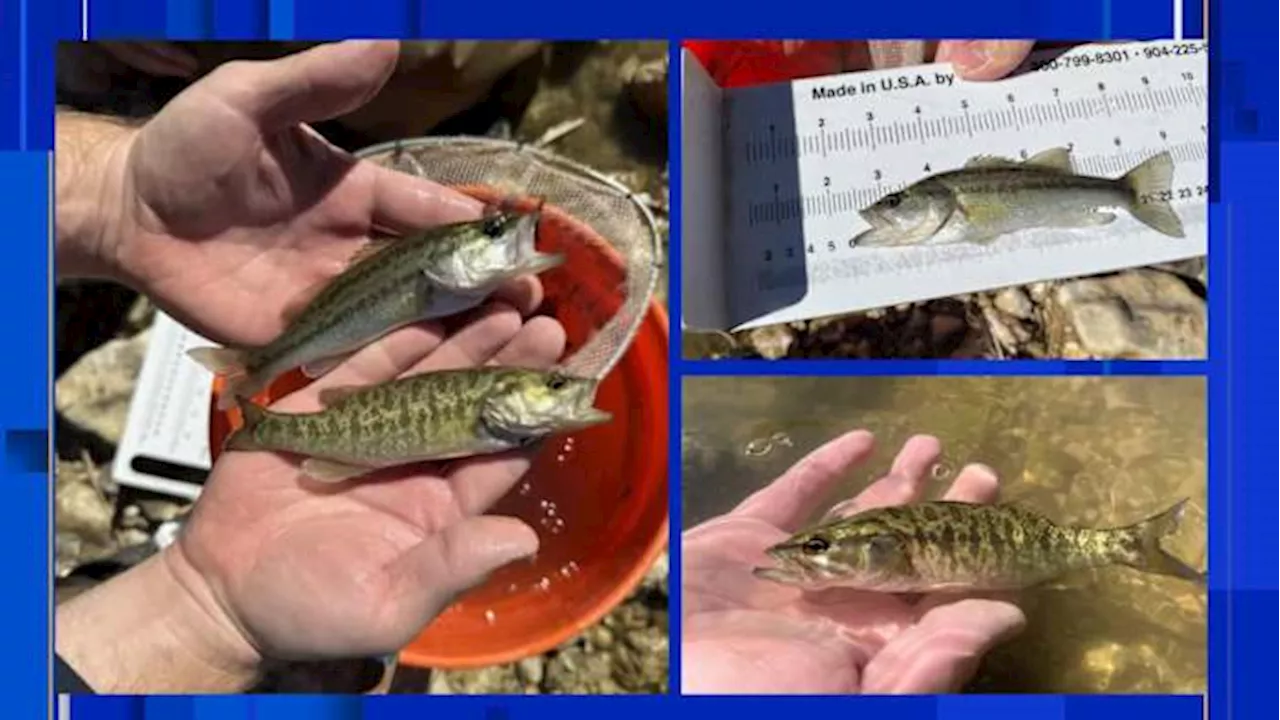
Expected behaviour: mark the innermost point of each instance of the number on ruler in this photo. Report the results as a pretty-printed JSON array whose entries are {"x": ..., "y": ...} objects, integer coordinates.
[
  {"x": 1164, "y": 135},
  {"x": 826, "y": 181},
  {"x": 917, "y": 109},
  {"x": 1145, "y": 80},
  {"x": 1117, "y": 142},
  {"x": 1188, "y": 76},
  {"x": 876, "y": 174},
  {"x": 1009, "y": 97},
  {"x": 1055, "y": 92},
  {"x": 1102, "y": 87},
  {"x": 964, "y": 104},
  {"x": 822, "y": 122},
  {"x": 1022, "y": 154},
  {"x": 927, "y": 168},
  {"x": 870, "y": 116}
]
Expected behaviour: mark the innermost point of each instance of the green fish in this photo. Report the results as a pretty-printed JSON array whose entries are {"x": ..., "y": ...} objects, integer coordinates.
[
  {"x": 990, "y": 197},
  {"x": 952, "y": 546},
  {"x": 390, "y": 284},
  {"x": 433, "y": 416}
]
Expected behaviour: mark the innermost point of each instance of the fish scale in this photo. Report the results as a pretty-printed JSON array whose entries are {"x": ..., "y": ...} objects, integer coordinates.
[
  {"x": 990, "y": 197},
  {"x": 432, "y": 416},
  {"x": 944, "y": 545}
]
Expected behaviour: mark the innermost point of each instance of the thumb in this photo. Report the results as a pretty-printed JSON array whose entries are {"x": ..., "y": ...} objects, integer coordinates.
[
  {"x": 427, "y": 577},
  {"x": 317, "y": 84},
  {"x": 940, "y": 653},
  {"x": 984, "y": 59}
]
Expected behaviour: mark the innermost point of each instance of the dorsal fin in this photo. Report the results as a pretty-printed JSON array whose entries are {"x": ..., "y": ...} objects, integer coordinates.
[
  {"x": 1058, "y": 158},
  {"x": 990, "y": 161}
]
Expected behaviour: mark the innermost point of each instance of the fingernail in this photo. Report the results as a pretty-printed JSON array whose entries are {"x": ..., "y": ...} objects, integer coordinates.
[{"x": 964, "y": 55}]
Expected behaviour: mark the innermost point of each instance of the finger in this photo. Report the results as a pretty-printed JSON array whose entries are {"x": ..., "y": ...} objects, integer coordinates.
[
  {"x": 486, "y": 332},
  {"x": 984, "y": 59},
  {"x": 524, "y": 293},
  {"x": 905, "y": 481},
  {"x": 975, "y": 484},
  {"x": 895, "y": 53},
  {"x": 317, "y": 84},
  {"x": 792, "y": 498},
  {"x": 941, "y": 652},
  {"x": 405, "y": 203},
  {"x": 427, "y": 578},
  {"x": 481, "y": 481}
]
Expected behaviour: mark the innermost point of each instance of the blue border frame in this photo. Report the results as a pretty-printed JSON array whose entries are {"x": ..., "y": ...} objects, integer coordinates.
[{"x": 1243, "y": 490}]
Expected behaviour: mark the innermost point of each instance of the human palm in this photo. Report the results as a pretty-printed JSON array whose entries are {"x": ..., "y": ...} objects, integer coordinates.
[
  {"x": 237, "y": 211},
  {"x": 304, "y": 570},
  {"x": 744, "y": 634}
]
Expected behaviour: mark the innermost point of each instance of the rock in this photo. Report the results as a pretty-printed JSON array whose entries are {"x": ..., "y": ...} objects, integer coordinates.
[
  {"x": 1014, "y": 301},
  {"x": 129, "y": 537},
  {"x": 771, "y": 341},
  {"x": 646, "y": 84},
  {"x": 131, "y": 518},
  {"x": 161, "y": 511},
  {"x": 531, "y": 670},
  {"x": 82, "y": 515},
  {"x": 1139, "y": 314},
  {"x": 496, "y": 680},
  {"x": 94, "y": 393}
]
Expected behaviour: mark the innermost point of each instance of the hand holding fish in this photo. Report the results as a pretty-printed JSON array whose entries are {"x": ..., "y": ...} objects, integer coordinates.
[
  {"x": 745, "y": 634},
  {"x": 271, "y": 565},
  {"x": 226, "y": 208}
]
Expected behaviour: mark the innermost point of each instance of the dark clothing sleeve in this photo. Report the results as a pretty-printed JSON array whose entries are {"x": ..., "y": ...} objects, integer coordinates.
[{"x": 66, "y": 681}]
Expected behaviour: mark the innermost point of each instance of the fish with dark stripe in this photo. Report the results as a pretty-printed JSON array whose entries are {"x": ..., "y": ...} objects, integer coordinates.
[
  {"x": 389, "y": 284},
  {"x": 952, "y": 546},
  {"x": 433, "y": 416}
]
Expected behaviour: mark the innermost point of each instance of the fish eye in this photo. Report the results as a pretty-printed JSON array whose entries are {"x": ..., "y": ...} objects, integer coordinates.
[
  {"x": 893, "y": 200},
  {"x": 493, "y": 225},
  {"x": 815, "y": 545},
  {"x": 557, "y": 382}
]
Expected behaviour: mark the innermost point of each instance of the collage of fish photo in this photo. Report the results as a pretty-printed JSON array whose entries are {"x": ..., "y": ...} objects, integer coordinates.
[{"x": 365, "y": 383}]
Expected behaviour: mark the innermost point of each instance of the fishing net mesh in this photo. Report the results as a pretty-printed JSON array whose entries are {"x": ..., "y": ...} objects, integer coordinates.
[{"x": 608, "y": 208}]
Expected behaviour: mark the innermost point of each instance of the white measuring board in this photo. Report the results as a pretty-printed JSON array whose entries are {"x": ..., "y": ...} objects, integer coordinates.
[
  {"x": 165, "y": 448},
  {"x": 771, "y": 204}
]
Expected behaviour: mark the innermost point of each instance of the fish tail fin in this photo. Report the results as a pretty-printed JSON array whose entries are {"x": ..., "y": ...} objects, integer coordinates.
[
  {"x": 232, "y": 365},
  {"x": 1142, "y": 545},
  {"x": 243, "y": 437},
  {"x": 1149, "y": 183}
]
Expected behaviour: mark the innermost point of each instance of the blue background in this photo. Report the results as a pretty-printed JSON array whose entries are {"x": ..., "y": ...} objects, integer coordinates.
[{"x": 1243, "y": 332}]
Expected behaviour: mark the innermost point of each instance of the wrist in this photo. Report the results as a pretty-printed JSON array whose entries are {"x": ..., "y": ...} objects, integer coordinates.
[
  {"x": 92, "y": 195},
  {"x": 155, "y": 629}
]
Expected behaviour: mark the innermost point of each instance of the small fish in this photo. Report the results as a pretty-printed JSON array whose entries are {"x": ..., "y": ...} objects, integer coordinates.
[
  {"x": 433, "y": 416},
  {"x": 390, "y": 284},
  {"x": 990, "y": 197},
  {"x": 951, "y": 546}
]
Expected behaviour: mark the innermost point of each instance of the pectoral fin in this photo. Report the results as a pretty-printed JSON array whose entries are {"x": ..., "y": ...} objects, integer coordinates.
[
  {"x": 329, "y": 471},
  {"x": 323, "y": 366}
]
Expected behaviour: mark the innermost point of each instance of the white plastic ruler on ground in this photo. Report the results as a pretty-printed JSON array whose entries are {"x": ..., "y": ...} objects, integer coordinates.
[
  {"x": 165, "y": 448},
  {"x": 774, "y": 177}
]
